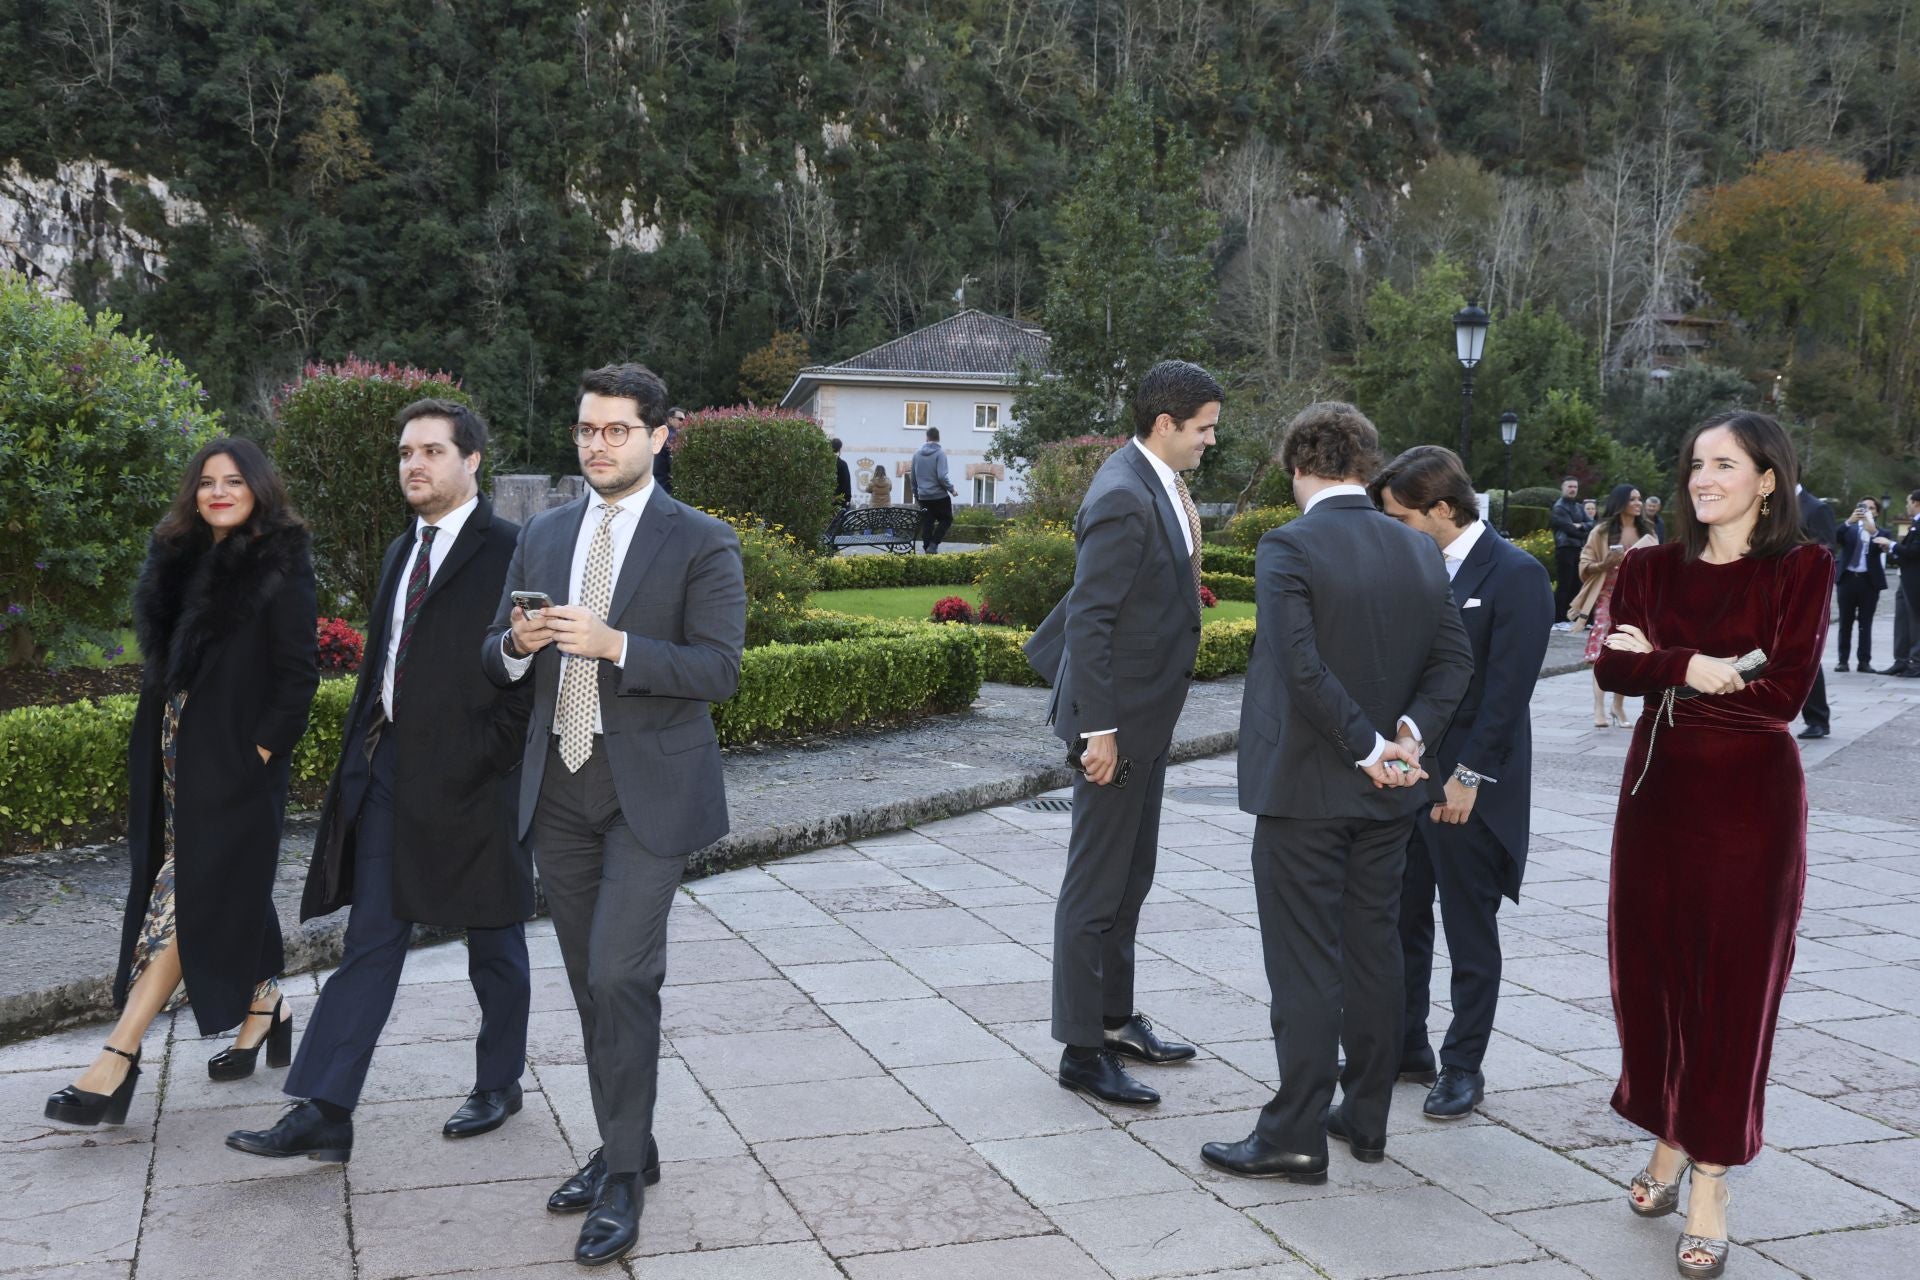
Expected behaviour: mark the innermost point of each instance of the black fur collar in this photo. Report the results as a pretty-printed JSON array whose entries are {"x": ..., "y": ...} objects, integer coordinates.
[{"x": 192, "y": 596}]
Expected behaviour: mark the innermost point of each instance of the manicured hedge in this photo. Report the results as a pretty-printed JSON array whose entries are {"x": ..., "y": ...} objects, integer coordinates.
[
  {"x": 63, "y": 769},
  {"x": 947, "y": 569},
  {"x": 1228, "y": 586},
  {"x": 1216, "y": 559}
]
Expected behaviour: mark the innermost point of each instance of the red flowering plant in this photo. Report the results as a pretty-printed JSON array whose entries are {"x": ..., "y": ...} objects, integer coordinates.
[
  {"x": 1207, "y": 598},
  {"x": 990, "y": 617},
  {"x": 952, "y": 609},
  {"x": 341, "y": 647}
]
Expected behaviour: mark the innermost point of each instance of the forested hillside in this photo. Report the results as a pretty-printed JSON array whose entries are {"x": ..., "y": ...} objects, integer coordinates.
[{"x": 509, "y": 190}]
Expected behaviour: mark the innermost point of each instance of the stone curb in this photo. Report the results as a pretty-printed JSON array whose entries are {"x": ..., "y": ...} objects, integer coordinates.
[{"x": 317, "y": 944}]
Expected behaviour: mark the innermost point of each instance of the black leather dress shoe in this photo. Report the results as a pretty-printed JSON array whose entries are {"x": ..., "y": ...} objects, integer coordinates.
[
  {"x": 300, "y": 1131},
  {"x": 613, "y": 1225},
  {"x": 1842, "y": 667},
  {"x": 484, "y": 1111},
  {"x": 1897, "y": 669},
  {"x": 1255, "y": 1157},
  {"x": 1455, "y": 1095},
  {"x": 1811, "y": 732},
  {"x": 1418, "y": 1065},
  {"x": 1137, "y": 1040},
  {"x": 577, "y": 1194},
  {"x": 1365, "y": 1150},
  {"x": 1104, "y": 1077}
]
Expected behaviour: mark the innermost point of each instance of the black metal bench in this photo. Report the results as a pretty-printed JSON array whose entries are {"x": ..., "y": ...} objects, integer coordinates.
[{"x": 895, "y": 528}]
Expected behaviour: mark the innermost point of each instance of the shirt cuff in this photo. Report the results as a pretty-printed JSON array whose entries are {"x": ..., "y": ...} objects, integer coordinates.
[
  {"x": 1373, "y": 757},
  {"x": 1097, "y": 733},
  {"x": 621, "y": 661},
  {"x": 516, "y": 667},
  {"x": 1413, "y": 730}
]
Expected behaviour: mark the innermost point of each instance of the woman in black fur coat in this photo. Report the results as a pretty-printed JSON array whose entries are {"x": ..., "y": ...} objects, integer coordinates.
[{"x": 225, "y": 617}]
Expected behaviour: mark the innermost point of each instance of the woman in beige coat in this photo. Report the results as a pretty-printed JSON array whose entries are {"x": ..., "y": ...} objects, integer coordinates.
[
  {"x": 1620, "y": 530},
  {"x": 879, "y": 488}
]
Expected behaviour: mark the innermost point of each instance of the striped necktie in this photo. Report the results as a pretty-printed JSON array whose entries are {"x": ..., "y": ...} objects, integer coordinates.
[{"x": 417, "y": 582}]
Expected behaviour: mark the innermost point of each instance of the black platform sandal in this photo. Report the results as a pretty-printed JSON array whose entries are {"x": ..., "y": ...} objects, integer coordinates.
[
  {"x": 235, "y": 1063},
  {"x": 73, "y": 1105}
]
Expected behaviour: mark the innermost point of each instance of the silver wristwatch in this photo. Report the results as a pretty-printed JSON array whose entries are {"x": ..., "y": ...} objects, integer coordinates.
[{"x": 1466, "y": 777}]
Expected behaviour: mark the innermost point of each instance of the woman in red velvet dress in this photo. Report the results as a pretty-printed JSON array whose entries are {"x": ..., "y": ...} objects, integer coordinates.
[{"x": 1710, "y": 847}]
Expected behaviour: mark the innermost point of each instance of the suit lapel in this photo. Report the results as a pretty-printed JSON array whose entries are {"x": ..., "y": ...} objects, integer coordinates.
[
  {"x": 1171, "y": 519},
  {"x": 558, "y": 569},
  {"x": 374, "y": 653},
  {"x": 656, "y": 523},
  {"x": 1474, "y": 571}
]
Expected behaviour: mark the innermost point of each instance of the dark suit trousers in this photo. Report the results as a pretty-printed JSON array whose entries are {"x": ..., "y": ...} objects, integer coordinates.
[
  {"x": 1329, "y": 897},
  {"x": 1815, "y": 711},
  {"x": 1465, "y": 863},
  {"x": 1110, "y": 859},
  {"x": 1906, "y": 622},
  {"x": 609, "y": 897},
  {"x": 345, "y": 1025},
  {"x": 1566, "y": 580},
  {"x": 1857, "y": 597}
]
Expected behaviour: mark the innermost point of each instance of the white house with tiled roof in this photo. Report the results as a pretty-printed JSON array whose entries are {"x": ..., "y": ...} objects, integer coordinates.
[{"x": 958, "y": 375}]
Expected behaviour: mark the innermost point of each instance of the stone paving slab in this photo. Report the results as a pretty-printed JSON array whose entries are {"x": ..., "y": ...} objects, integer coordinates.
[{"x": 857, "y": 1082}]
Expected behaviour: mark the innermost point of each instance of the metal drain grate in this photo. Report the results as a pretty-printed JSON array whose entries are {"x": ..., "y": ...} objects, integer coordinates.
[{"x": 1046, "y": 804}]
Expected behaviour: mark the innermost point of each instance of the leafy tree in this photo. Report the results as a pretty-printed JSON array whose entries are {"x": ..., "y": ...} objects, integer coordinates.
[
  {"x": 96, "y": 427},
  {"x": 766, "y": 373},
  {"x": 1657, "y": 413},
  {"x": 1130, "y": 283},
  {"x": 1802, "y": 241}
]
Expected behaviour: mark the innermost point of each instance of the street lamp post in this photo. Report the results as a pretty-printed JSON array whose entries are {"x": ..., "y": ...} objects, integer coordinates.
[
  {"x": 1469, "y": 338},
  {"x": 1509, "y": 428}
]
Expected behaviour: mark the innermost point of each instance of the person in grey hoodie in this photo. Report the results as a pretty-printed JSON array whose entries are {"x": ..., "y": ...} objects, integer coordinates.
[{"x": 934, "y": 491}]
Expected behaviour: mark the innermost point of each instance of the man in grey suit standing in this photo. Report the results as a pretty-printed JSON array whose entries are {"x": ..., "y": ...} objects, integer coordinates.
[
  {"x": 642, "y": 626},
  {"x": 1361, "y": 652},
  {"x": 1119, "y": 651}
]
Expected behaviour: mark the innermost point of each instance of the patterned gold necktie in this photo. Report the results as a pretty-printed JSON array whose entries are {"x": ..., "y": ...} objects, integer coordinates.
[
  {"x": 1193, "y": 526},
  {"x": 579, "y": 704}
]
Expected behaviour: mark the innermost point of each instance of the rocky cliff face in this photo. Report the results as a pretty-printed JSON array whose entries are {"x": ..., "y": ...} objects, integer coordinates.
[{"x": 86, "y": 224}]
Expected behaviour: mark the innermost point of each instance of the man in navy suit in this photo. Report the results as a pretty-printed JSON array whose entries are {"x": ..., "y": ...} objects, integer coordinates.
[{"x": 1472, "y": 840}]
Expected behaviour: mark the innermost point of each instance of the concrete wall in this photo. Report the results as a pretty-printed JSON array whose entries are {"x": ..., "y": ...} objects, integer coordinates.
[{"x": 871, "y": 423}]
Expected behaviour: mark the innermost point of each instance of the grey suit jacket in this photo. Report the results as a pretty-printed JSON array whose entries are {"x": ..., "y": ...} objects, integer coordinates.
[
  {"x": 1119, "y": 649},
  {"x": 1356, "y": 629},
  {"x": 681, "y": 599}
]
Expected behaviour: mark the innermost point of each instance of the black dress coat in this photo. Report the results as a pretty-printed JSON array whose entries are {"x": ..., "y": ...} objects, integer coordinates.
[
  {"x": 1506, "y": 605},
  {"x": 233, "y": 624},
  {"x": 457, "y": 743}
]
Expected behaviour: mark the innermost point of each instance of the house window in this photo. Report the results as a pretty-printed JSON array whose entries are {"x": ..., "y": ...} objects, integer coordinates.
[
  {"x": 983, "y": 491},
  {"x": 986, "y": 417},
  {"x": 917, "y": 414}
]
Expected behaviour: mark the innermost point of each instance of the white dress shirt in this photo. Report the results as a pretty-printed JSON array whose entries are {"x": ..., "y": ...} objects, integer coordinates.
[
  {"x": 446, "y": 532},
  {"x": 1379, "y": 743},
  {"x": 626, "y": 519},
  {"x": 1455, "y": 553},
  {"x": 1171, "y": 484}
]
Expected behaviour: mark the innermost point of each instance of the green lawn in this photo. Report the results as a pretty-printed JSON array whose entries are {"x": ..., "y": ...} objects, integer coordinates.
[{"x": 917, "y": 602}]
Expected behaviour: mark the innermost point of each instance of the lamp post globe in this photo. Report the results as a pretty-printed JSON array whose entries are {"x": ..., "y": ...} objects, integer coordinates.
[
  {"x": 1509, "y": 428},
  {"x": 1470, "y": 325}
]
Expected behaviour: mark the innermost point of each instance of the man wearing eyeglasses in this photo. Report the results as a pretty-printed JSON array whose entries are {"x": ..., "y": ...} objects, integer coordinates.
[{"x": 628, "y": 609}]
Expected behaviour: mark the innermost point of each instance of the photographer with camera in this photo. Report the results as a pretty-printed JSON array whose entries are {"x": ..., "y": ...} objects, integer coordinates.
[{"x": 1863, "y": 547}]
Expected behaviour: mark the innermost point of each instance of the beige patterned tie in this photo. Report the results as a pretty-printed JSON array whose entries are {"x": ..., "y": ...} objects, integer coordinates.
[
  {"x": 579, "y": 703},
  {"x": 1193, "y": 526}
]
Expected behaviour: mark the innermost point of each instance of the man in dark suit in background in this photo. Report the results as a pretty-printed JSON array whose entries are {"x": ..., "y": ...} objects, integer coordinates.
[
  {"x": 1861, "y": 545},
  {"x": 418, "y": 821},
  {"x": 1571, "y": 525},
  {"x": 1906, "y": 600},
  {"x": 1817, "y": 518},
  {"x": 621, "y": 779},
  {"x": 1119, "y": 651},
  {"x": 1360, "y": 653},
  {"x": 1471, "y": 841},
  {"x": 842, "y": 478}
]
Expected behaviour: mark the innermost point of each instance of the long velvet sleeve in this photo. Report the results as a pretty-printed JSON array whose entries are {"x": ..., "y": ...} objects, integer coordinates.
[
  {"x": 1799, "y": 639},
  {"x": 1639, "y": 674}
]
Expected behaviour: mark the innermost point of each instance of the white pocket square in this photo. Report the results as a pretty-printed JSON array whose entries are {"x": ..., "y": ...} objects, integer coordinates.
[{"x": 1473, "y": 602}]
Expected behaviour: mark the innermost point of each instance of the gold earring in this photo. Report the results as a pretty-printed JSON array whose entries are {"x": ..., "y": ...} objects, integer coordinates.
[{"x": 1763, "y": 504}]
